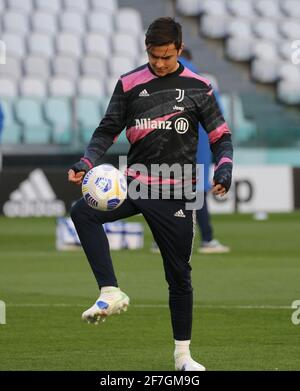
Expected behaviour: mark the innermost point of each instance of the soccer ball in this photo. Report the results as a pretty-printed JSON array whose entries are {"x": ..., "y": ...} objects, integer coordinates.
[{"x": 104, "y": 187}]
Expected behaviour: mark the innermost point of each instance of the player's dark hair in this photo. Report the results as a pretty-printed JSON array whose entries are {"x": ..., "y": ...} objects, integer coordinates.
[{"x": 164, "y": 31}]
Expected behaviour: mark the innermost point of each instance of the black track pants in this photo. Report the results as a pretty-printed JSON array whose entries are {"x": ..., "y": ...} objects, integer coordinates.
[{"x": 173, "y": 230}]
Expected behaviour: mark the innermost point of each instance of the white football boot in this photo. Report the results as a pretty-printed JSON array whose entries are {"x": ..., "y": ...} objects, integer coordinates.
[
  {"x": 184, "y": 362},
  {"x": 213, "y": 247},
  {"x": 110, "y": 302}
]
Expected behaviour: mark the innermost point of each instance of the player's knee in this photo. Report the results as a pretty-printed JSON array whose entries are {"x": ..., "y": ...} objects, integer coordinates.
[
  {"x": 180, "y": 286},
  {"x": 181, "y": 290}
]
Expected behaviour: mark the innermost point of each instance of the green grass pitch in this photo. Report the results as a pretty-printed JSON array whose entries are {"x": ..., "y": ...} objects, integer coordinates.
[{"x": 242, "y": 314}]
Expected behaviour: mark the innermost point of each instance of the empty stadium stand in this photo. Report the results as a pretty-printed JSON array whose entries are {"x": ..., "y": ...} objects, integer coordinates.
[
  {"x": 64, "y": 58},
  {"x": 247, "y": 66},
  {"x": 260, "y": 32},
  {"x": 62, "y": 54}
]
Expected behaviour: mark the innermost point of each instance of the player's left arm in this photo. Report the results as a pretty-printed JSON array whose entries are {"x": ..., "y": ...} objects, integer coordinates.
[{"x": 219, "y": 136}]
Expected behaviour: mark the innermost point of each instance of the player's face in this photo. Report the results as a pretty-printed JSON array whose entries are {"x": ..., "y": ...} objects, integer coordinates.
[{"x": 163, "y": 59}]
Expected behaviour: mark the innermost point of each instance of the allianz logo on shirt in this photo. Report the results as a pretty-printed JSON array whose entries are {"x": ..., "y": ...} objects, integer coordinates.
[
  {"x": 148, "y": 123},
  {"x": 181, "y": 125}
]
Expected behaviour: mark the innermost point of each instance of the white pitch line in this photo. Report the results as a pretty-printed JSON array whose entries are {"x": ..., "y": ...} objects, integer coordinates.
[{"x": 229, "y": 307}]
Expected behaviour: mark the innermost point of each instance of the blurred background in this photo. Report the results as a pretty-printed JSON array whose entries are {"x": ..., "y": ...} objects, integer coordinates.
[{"x": 60, "y": 60}]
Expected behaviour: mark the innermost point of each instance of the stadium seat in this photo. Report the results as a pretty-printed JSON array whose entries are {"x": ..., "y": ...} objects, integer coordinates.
[
  {"x": 88, "y": 112},
  {"x": 8, "y": 87},
  {"x": 125, "y": 45},
  {"x": 80, "y": 6},
  {"x": 35, "y": 130},
  {"x": 265, "y": 49},
  {"x": 58, "y": 113},
  {"x": 288, "y": 91},
  {"x": 36, "y": 66},
  {"x": 2, "y": 5},
  {"x": 188, "y": 7},
  {"x": 40, "y": 45},
  {"x": 44, "y": 22},
  {"x": 93, "y": 66},
  {"x": 90, "y": 87},
  {"x": 99, "y": 22},
  {"x": 128, "y": 20},
  {"x": 265, "y": 28},
  {"x": 33, "y": 87},
  {"x": 97, "y": 45},
  {"x": 240, "y": 8},
  {"x": 14, "y": 45},
  {"x": 239, "y": 49},
  {"x": 11, "y": 69},
  {"x": 120, "y": 65},
  {"x": 268, "y": 9},
  {"x": 109, "y": 7},
  {"x": 291, "y": 8},
  {"x": 72, "y": 22},
  {"x": 15, "y": 22},
  {"x": 289, "y": 72},
  {"x": 239, "y": 28},
  {"x": 68, "y": 45},
  {"x": 226, "y": 108},
  {"x": 2, "y": 51},
  {"x": 12, "y": 130},
  {"x": 290, "y": 29},
  {"x": 215, "y": 7},
  {"x": 61, "y": 87},
  {"x": 53, "y": 6},
  {"x": 264, "y": 70},
  {"x": 284, "y": 49},
  {"x": 243, "y": 129},
  {"x": 213, "y": 26},
  {"x": 65, "y": 66},
  {"x": 24, "y": 6}
]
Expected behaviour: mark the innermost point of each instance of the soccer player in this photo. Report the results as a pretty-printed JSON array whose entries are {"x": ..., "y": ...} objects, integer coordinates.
[{"x": 160, "y": 103}]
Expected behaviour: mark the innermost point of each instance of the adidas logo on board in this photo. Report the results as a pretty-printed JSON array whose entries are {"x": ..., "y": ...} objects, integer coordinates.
[{"x": 34, "y": 197}]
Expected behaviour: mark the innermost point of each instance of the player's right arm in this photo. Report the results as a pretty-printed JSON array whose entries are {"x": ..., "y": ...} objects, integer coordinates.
[
  {"x": 103, "y": 137},
  {"x": 78, "y": 171}
]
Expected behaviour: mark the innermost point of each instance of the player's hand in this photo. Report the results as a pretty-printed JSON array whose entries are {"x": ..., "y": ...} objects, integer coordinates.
[
  {"x": 78, "y": 171},
  {"x": 76, "y": 177},
  {"x": 222, "y": 179},
  {"x": 218, "y": 189}
]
